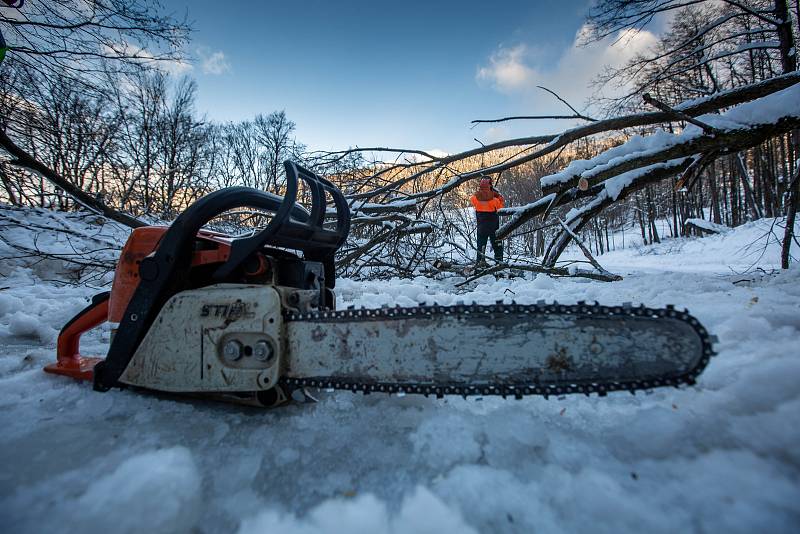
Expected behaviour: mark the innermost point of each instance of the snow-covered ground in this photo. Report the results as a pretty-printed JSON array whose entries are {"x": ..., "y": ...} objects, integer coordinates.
[{"x": 720, "y": 457}]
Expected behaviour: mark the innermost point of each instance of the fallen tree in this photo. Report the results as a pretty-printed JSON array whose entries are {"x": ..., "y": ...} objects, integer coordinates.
[{"x": 760, "y": 112}]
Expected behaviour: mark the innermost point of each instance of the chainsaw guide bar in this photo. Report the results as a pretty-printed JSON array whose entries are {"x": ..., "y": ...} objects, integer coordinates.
[{"x": 577, "y": 360}]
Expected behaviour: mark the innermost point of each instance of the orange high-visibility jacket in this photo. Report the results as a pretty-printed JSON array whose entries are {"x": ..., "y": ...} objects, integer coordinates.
[
  {"x": 486, "y": 211},
  {"x": 483, "y": 206}
]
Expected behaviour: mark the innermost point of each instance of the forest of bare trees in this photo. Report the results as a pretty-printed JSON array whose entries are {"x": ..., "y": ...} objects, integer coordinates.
[{"x": 94, "y": 120}]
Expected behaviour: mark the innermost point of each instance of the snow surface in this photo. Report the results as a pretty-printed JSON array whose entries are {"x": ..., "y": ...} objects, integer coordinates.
[{"x": 720, "y": 457}]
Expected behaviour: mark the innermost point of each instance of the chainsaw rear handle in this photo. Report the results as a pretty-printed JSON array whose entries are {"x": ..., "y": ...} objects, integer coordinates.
[
  {"x": 69, "y": 360},
  {"x": 165, "y": 272}
]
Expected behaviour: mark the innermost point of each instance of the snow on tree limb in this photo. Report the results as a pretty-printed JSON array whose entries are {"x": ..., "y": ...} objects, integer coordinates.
[
  {"x": 706, "y": 226},
  {"x": 607, "y": 171},
  {"x": 737, "y": 129},
  {"x": 764, "y": 110}
]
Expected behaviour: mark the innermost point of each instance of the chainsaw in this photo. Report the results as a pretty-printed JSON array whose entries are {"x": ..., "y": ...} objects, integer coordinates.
[{"x": 253, "y": 319}]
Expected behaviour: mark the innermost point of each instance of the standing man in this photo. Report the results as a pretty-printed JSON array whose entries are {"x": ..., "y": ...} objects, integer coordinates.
[{"x": 486, "y": 201}]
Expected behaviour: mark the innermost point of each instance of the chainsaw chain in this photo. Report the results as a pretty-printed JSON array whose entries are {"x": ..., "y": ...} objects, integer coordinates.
[{"x": 516, "y": 390}]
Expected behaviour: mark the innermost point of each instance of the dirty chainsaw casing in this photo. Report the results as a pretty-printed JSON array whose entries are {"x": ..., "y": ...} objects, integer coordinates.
[
  {"x": 222, "y": 338},
  {"x": 253, "y": 319}
]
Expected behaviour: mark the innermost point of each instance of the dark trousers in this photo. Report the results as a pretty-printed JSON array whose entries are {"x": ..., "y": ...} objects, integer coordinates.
[{"x": 497, "y": 247}]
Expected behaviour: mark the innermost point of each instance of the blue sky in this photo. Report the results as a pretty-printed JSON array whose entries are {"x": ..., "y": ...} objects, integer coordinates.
[{"x": 409, "y": 74}]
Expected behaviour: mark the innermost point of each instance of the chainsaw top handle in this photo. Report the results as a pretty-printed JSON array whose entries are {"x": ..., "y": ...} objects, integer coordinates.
[
  {"x": 164, "y": 273},
  {"x": 307, "y": 234}
]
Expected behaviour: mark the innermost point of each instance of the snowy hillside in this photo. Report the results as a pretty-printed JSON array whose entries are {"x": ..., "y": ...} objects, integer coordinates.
[{"x": 719, "y": 457}]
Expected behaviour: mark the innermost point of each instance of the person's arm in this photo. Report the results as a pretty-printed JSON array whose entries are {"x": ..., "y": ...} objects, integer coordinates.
[
  {"x": 499, "y": 200},
  {"x": 474, "y": 200}
]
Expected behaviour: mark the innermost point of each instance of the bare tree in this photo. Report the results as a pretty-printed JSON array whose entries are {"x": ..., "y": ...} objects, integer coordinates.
[
  {"x": 708, "y": 47},
  {"x": 81, "y": 41},
  {"x": 76, "y": 45},
  {"x": 135, "y": 143},
  {"x": 275, "y": 136}
]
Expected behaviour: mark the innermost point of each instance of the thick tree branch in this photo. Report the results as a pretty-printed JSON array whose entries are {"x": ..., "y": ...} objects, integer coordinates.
[
  {"x": 25, "y": 160},
  {"x": 533, "y": 117},
  {"x": 560, "y": 272},
  {"x": 726, "y": 142},
  {"x": 679, "y": 115},
  {"x": 580, "y": 217},
  {"x": 665, "y": 170}
]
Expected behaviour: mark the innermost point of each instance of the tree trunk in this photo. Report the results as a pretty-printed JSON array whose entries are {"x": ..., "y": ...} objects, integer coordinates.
[
  {"x": 791, "y": 211},
  {"x": 674, "y": 213},
  {"x": 12, "y": 198},
  {"x": 640, "y": 218},
  {"x": 785, "y": 37},
  {"x": 651, "y": 216},
  {"x": 792, "y": 201},
  {"x": 750, "y": 201},
  {"x": 789, "y": 64},
  {"x": 715, "y": 214}
]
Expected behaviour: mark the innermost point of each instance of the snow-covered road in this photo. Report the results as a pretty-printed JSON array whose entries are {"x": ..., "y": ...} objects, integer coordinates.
[{"x": 720, "y": 457}]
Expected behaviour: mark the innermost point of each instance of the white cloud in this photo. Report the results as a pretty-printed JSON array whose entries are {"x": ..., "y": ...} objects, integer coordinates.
[
  {"x": 210, "y": 62},
  {"x": 214, "y": 63},
  {"x": 507, "y": 71},
  {"x": 176, "y": 68},
  {"x": 142, "y": 55},
  {"x": 519, "y": 69}
]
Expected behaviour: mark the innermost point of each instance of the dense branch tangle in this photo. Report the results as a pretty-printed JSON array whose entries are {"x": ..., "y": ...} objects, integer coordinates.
[{"x": 588, "y": 185}]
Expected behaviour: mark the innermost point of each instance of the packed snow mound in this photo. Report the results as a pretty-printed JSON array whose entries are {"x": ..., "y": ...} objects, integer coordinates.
[
  {"x": 163, "y": 484},
  {"x": 422, "y": 512},
  {"x": 752, "y": 247},
  {"x": 59, "y": 246},
  {"x": 721, "y": 456}
]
